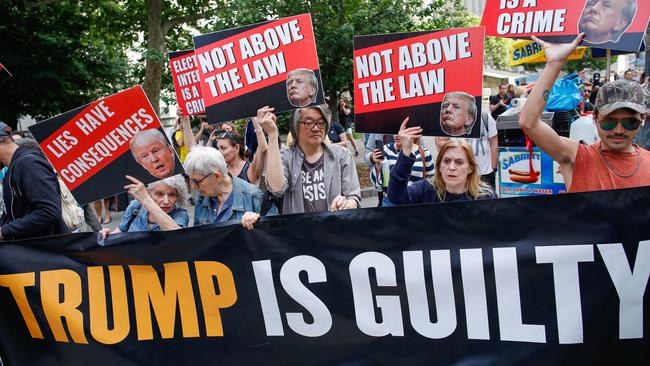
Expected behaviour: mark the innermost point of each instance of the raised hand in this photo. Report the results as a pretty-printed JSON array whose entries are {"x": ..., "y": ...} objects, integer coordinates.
[
  {"x": 183, "y": 119},
  {"x": 266, "y": 119},
  {"x": 559, "y": 52},
  {"x": 213, "y": 136},
  {"x": 407, "y": 135},
  {"x": 137, "y": 189}
]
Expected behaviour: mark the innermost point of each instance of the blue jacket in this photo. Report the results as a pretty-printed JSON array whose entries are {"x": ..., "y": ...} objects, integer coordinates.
[
  {"x": 141, "y": 220},
  {"x": 246, "y": 197}
]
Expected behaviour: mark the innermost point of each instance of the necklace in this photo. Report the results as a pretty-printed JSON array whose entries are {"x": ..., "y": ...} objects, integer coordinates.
[
  {"x": 638, "y": 163},
  {"x": 237, "y": 168}
]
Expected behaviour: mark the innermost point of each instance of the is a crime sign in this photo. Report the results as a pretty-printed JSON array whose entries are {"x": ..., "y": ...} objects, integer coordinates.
[{"x": 611, "y": 24}]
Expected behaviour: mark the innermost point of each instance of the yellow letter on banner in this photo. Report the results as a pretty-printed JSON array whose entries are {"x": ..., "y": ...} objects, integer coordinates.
[
  {"x": 205, "y": 274},
  {"x": 148, "y": 292},
  {"x": 68, "y": 308},
  {"x": 17, "y": 283},
  {"x": 97, "y": 305}
]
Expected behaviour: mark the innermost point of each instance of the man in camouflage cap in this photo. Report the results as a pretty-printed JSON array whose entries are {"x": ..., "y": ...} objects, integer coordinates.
[{"x": 613, "y": 162}]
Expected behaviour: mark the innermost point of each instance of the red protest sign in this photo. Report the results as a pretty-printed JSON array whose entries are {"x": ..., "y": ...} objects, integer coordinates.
[
  {"x": 186, "y": 82},
  {"x": 272, "y": 63},
  {"x": 612, "y": 24},
  {"x": 433, "y": 77},
  {"x": 94, "y": 146}
]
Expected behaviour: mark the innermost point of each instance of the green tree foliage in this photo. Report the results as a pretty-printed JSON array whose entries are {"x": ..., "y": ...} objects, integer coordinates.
[
  {"x": 497, "y": 52},
  {"x": 60, "y": 56}
]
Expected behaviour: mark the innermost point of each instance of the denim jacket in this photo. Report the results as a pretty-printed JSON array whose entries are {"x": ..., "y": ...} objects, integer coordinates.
[
  {"x": 141, "y": 221},
  {"x": 246, "y": 198}
]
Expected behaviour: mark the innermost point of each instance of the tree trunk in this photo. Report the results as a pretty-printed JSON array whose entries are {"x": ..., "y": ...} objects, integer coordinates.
[
  {"x": 334, "y": 104},
  {"x": 155, "y": 48}
]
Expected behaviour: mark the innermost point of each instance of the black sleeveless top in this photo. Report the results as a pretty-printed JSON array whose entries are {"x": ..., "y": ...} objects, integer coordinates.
[{"x": 243, "y": 174}]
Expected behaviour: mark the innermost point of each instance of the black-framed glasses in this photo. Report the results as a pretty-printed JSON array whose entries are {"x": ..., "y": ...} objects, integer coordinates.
[
  {"x": 630, "y": 124},
  {"x": 310, "y": 123},
  {"x": 198, "y": 182}
]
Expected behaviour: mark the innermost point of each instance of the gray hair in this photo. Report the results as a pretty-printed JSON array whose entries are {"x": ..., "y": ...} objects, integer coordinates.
[
  {"x": 312, "y": 80},
  {"x": 471, "y": 106},
  {"x": 295, "y": 120},
  {"x": 205, "y": 160},
  {"x": 28, "y": 142},
  {"x": 176, "y": 182},
  {"x": 144, "y": 137}
]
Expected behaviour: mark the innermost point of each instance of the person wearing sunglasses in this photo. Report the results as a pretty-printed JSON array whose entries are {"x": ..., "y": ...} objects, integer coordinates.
[
  {"x": 619, "y": 110},
  {"x": 311, "y": 175}
]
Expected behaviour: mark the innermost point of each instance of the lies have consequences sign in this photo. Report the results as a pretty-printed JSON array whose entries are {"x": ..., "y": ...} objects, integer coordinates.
[
  {"x": 94, "y": 146},
  {"x": 435, "y": 78},
  {"x": 613, "y": 24},
  {"x": 463, "y": 283},
  {"x": 272, "y": 63}
]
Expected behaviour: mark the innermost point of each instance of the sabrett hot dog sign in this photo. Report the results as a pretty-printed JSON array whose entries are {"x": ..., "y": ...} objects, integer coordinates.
[{"x": 515, "y": 177}]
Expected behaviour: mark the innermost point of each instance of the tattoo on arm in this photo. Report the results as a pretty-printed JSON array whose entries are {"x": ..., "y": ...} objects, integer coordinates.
[{"x": 546, "y": 93}]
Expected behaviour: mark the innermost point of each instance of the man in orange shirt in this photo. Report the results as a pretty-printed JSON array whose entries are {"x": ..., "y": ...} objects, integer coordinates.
[{"x": 612, "y": 163}]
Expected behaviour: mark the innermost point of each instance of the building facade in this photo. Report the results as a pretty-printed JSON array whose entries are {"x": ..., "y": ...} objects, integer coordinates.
[{"x": 475, "y": 6}]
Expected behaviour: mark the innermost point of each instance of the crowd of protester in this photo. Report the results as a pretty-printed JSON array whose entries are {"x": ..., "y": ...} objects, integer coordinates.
[{"x": 243, "y": 177}]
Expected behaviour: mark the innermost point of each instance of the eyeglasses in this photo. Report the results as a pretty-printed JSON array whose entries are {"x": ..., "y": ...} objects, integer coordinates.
[
  {"x": 309, "y": 124},
  {"x": 198, "y": 182},
  {"x": 630, "y": 124}
]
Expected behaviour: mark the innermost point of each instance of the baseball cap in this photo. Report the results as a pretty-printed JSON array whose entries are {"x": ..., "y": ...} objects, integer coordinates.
[
  {"x": 5, "y": 130},
  {"x": 620, "y": 94}
]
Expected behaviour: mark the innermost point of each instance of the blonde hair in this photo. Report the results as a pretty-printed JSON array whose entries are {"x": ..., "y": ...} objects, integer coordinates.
[{"x": 475, "y": 187}]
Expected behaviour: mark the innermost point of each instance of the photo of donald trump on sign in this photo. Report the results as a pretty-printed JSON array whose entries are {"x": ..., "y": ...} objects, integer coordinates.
[
  {"x": 606, "y": 20},
  {"x": 151, "y": 149},
  {"x": 457, "y": 113}
]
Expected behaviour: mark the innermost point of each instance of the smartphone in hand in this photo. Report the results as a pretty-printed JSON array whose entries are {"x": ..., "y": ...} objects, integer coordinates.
[{"x": 379, "y": 145}]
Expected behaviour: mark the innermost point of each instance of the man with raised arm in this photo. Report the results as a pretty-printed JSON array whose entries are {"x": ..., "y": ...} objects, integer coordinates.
[{"x": 612, "y": 163}]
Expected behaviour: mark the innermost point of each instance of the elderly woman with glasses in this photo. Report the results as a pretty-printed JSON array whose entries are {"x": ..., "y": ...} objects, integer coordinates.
[
  {"x": 228, "y": 197},
  {"x": 158, "y": 207},
  {"x": 311, "y": 175}
]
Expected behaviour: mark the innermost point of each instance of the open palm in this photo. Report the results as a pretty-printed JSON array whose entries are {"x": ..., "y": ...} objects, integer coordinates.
[{"x": 558, "y": 52}]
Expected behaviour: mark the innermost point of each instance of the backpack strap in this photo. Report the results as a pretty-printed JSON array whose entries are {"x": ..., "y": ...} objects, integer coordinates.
[{"x": 134, "y": 214}]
